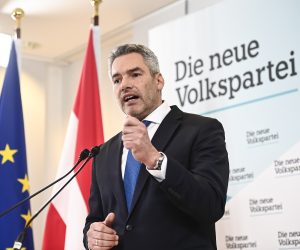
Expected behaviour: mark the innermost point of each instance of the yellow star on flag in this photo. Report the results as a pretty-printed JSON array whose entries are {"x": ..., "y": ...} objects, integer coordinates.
[
  {"x": 26, "y": 217},
  {"x": 7, "y": 154},
  {"x": 25, "y": 183},
  {"x": 11, "y": 248}
]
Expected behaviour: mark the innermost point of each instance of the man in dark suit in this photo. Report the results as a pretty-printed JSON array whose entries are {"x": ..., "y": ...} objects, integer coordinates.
[{"x": 159, "y": 186}]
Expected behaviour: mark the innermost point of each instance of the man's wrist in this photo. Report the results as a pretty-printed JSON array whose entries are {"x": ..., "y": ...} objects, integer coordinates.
[{"x": 159, "y": 158}]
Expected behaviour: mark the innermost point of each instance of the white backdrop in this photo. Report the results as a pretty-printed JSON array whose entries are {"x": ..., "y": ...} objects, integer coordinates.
[{"x": 239, "y": 61}]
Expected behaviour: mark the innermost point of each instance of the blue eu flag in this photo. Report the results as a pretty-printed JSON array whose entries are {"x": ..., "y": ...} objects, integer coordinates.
[{"x": 14, "y": 183}]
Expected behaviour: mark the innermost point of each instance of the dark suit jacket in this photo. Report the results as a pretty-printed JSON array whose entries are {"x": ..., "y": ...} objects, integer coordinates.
[{"x": 181, "y": 211}]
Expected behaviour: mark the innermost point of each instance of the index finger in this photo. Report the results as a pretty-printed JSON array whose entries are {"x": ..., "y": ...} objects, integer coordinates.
[
  {"x": 131, "y": 121},
  {"x": 101, "y": 227}
]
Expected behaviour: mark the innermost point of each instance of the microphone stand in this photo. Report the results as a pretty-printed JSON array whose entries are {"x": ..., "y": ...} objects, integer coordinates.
[
  {"x": 19, "y": 241},
  {"x": 83, "y": 155}
]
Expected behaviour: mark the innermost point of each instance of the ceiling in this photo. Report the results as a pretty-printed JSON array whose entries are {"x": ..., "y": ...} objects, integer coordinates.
[{"x": 54, "y": 28}]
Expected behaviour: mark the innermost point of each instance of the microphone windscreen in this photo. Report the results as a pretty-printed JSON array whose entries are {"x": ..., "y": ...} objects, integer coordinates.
[
  {"x": 94, "y": 151},
  {"x": 84, "y": 154}
]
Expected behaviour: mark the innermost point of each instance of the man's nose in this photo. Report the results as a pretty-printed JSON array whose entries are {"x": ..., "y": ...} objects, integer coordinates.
[{"x": 126, "y": 84}]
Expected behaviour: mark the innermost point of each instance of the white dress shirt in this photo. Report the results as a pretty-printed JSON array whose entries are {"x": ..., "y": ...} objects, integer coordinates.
[{"x": 155, "y": 118}]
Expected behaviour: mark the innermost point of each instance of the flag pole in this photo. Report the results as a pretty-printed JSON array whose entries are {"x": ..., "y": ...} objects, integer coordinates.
[
  {"x": 84, "y": 130},
  {"x": 17, "y": 15},
  {"x": 13, "y": 135},
  {"x": 96, "y": 33},
  {"x": 96, "y": 4}
]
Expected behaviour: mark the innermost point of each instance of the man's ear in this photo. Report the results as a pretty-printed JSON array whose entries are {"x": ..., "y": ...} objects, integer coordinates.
[{"x": 160, "y": 81}]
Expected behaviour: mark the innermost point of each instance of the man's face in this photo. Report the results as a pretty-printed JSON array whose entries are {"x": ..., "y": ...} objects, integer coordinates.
[{"x": 137, "y": 91}]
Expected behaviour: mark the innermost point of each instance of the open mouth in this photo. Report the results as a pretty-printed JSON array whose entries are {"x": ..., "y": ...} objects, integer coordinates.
[{"x": 130, "y": 98}]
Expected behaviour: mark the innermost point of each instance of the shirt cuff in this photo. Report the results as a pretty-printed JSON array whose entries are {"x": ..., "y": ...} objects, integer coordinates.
[{"x": 160, "y": 175}]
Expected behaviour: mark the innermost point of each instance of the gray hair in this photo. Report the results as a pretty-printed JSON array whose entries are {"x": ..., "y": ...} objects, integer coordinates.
[{"x": 149, "y": 57}]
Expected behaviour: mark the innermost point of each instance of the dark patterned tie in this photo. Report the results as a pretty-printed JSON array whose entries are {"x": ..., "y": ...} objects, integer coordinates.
[{"x": 132, "y": 170}]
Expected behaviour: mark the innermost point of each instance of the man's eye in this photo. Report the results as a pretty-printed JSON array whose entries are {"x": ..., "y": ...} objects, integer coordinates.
[
  {"x": 117, "y": 81},
  {"x": 136, "y": 74}
]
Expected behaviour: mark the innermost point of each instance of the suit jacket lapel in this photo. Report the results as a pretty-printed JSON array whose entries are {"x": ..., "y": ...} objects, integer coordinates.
[
  {"x": 167, "y": 129},
  {"x": 116, "y": 174},
  {"x": 160, "y": 140}
]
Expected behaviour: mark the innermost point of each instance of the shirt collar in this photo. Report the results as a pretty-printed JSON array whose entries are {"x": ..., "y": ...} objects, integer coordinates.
[{"x": 159, "y": 113}]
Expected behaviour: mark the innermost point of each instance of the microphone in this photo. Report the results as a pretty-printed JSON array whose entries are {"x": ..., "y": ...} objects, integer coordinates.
[
  {"x": 19, "y": 241},
  {"x": 83, "y": 155}
]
